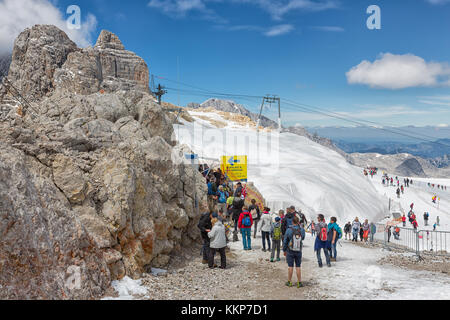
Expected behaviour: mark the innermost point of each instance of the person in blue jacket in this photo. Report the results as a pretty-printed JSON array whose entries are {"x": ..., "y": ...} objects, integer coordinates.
[{"x": 333, "y": 237}]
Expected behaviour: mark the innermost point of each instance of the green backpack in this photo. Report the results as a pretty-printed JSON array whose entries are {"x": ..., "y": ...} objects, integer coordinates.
[{"x": 277, "y": 232}]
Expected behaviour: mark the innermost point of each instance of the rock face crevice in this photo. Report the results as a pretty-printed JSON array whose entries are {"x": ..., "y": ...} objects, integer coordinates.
[{"x": 92, "y": 187}]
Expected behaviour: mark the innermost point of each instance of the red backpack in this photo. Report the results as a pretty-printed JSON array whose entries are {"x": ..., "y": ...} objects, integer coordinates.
[{"x": 323, "y": 234}]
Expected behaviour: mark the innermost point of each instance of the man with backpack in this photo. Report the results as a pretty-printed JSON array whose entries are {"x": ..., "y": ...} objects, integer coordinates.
[
  {"x": 245, "y": 224},
  {"x": 275, "y": 233},
  {"x": 322, "y": 240},
  {"x": 292, "y": 248},
  {"x": 222, "y": 196},
  {"x": 287, "y": 221},
  {"x": 356, "y": 225},
  {"x": 334, "y": 234},
  {"x": 347, "y": 230},
  {"x": 426, "y": 215},
  {"x": 256, "y": 215},
  {"x": 205, "y": 226},
  {"x": 238, "y": 204}
]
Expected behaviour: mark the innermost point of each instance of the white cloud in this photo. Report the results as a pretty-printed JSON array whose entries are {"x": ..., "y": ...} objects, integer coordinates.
[
  {"x": 279, "y": 30},
  {"x": 392, "y": 71},
  {"x": 329, "y": 28},
  {"x": 182, "y": 8},
  {"x": 279, "y": 8},
  {"x": 273, "y": 31},
  {"x": 438, "y": 2},
  {"x": 17, "y": 15}
]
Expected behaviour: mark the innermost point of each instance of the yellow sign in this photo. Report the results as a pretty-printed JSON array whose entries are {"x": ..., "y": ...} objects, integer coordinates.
[{"x": 234, "y": 167}]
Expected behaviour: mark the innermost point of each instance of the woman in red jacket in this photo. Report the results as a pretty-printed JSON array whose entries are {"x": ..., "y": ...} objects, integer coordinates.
[{"x": 245, "y": 224}]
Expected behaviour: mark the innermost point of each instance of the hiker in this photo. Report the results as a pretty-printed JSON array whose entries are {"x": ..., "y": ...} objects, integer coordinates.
[
  {"x": 205, "y": 226},
  {"x": 398, "y": 192},
  {"x": 245, "y": 224},
  {"x": 426, "y": 215},
  {"x": 388, "y": 230},
  {"x": 437, "y": 221},
  {"x": 311, "y": 228},
  {"x": 238, "y": 191},
  {"x": 266, "y": 227},
  {"x": 321, "y": 240},
  {"x": 292, "y": 248},
  {"x": 373, "y": 230},
  {"x": 404, "y": 220},
  {"x": 238, "y": 204},
  {"x": 212, "y": 194},
  {"x": 229, "y": 205},
  {"x": 222, "y": 196},
  {"x": 366, "y": 230},
  {"x": 434, "y": 226},
  {"x": 334, "y": 234},
  {"x": 217, "y": 242},
  {"x": 415, "y": 224},
  {"x": 356, "y": 225},
  {"x": 347, "y": 230},
  {"x": 303, "y": 221},
  {"x": 281, "y": 214},
  {"x": 275, "y": 233},
  {"x": 256, "y": 215},
  {"x": 287, "y": 221},
  {"x": 397, "y": 233},
  {"x": 402, "y": 189}
]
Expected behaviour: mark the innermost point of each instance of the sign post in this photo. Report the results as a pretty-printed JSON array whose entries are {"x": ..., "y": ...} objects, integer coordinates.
[{"x": 235, "y": 167}]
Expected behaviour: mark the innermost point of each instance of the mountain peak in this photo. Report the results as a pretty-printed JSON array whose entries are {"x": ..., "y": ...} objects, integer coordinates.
[{"x": 109, "y": 40}]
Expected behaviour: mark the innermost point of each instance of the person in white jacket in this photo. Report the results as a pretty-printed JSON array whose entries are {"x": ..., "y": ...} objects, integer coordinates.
[
  {"x": 218, "y": 242},
  {"x": 266, "y": 226}
]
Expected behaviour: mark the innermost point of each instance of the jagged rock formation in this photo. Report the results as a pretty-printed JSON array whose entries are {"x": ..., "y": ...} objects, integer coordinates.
[
  {"x": 90, "y": 180},
  {"x": 232, "y": 107}
]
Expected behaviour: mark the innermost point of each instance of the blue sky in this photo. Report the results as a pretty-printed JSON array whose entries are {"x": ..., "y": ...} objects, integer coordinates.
[{"x": 310, "y": 51}]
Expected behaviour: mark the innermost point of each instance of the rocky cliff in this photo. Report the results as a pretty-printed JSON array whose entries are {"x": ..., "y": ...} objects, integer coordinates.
[{"x": 92, "y": 185}]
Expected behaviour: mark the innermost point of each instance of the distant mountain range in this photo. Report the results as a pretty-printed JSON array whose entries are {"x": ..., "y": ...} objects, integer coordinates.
[{"x": 431, "y": 142}]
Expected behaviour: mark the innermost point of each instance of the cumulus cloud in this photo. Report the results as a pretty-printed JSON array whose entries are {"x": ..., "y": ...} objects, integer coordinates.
[
  {"x": 392, "y": 71},
  {"x": 16, "y": 15}
]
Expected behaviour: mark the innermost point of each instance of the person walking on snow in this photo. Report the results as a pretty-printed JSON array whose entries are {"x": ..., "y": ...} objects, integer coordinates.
[
  {"x": 347, "y": 230},
  {"x": 275, "y": 233},
  {"x": 366, "y": 230},
  {"x": 333, "y": 237},
  {"x": 292, "y": 248},
  {"x": 373, "y": 230},
  {"x": 266, "y": 227},
  {"x": 321, "y": 242},
  {"x": 356, "y": 225},
  {"x": 426, "y": 215},
  {"x": 256, "y": 215},
  {"x": 398, "y": 192},
  {"x": 404, "y": 220},
  {"x": 245, "y": 224}
]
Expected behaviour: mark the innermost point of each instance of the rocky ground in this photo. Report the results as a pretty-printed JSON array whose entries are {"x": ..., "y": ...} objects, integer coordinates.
[{"x": 427, "y": 262}]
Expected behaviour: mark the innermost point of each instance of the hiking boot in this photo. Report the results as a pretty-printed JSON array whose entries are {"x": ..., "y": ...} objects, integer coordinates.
[
  {"x": 299, "y": 285},
  {"x": 329, "y": 265},
  {"x": 278, "y": 259},
  {"x": 222, "y": 267},
  {"x": 289, "y": 284},
  {"x": 263, "y": 250},
  {"x": 320, "y": 265},
  {"x": 333, "y": 259},
  {"x": 271, "y": 260}
]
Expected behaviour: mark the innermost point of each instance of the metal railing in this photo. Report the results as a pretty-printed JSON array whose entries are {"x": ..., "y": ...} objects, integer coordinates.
[{"x": 417, "y": 241}]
